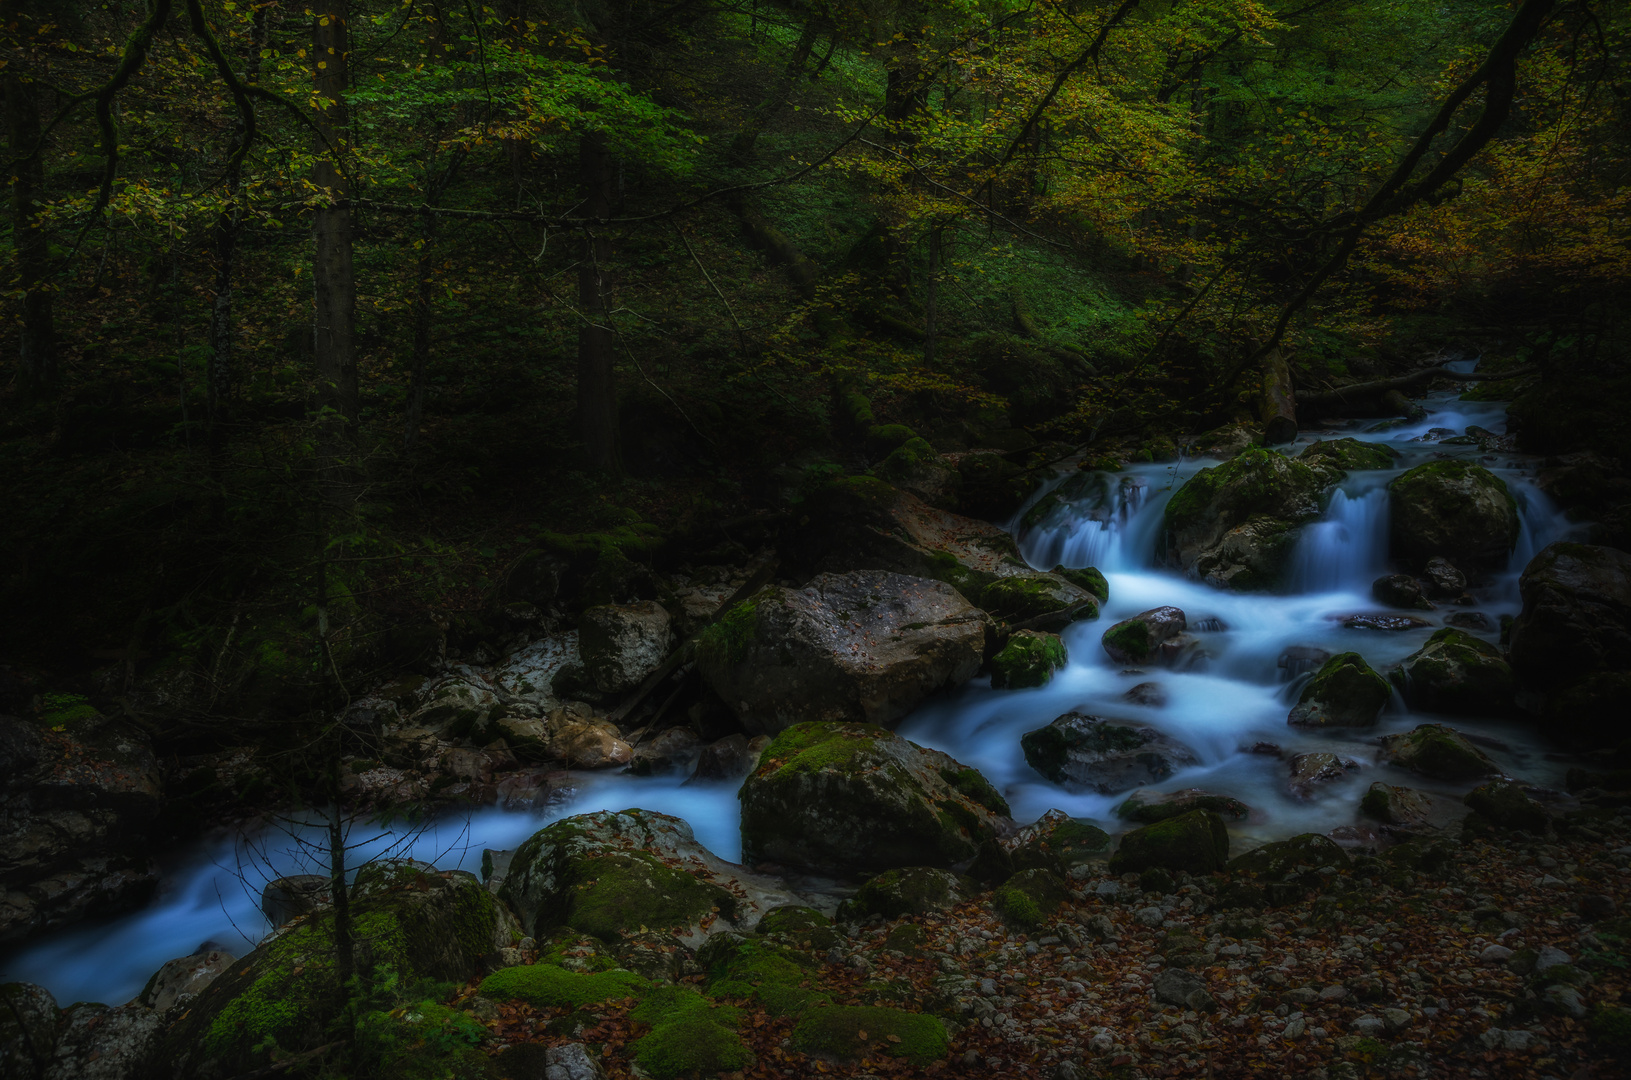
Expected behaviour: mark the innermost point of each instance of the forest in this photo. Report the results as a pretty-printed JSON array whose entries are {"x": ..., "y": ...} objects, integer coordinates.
[{"x": 417, "y": 408}]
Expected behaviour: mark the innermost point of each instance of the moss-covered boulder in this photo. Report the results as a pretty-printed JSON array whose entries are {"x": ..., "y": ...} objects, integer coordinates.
[
  {"x": 551, "y": 986},
  {"x": 1041, "y": 601},
  {"x": 409, "y": 922},
  {"x": 1456, "y": 673},
  {"x": 1283, "y": 859},
  {"x": 615, "y": 875},
  {"x": 1508, "y": 806},
  {"x": 850, "y": 1032},
  {"x": 1573, "y": 638},
  {"x": 748, "y": 967},
  {"x": 1087, "y": 578},
  {"x": 689, "y": 1036},
  {"x": 1196, "y": 842},
  {"x": 1236, "y": 524},
  {"x": 1030, "y": 897},
  {"x": 623, "y": 643},
  {"x": 1028, "y": 659},
  {"x": 1456, "y": 509},
  {"x": 864, "y": 646},
  {"x": 1107, "y": 756},
  {"x": 1148, "y": 637},
  {"x": 854, "y": 797},
  {"x": 1400, "y": 807},
  {"x": 804, "y": 927},
  {"x": 1400, "y": 591},
  {"x": 1345, "y": 692},
  {"x": 1057, "y": 842},
  {"x": 1439, "y": 752},
  {"x": 917, "y": 467},
  {"x": 1350, "y": 455},
  {"x": 914, "y": 890},
  {"x": 1148, "y": 807},
  {"x": 424, "y": 1040}
]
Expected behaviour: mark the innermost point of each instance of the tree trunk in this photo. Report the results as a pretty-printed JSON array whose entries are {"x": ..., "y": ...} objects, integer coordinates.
[
  {"x": 931, "y": 294},
  {"x": 333, "y": 277},
  {"x": 37, "y": 339},
  {"x": 597, "y": 367},
  {"x": 1277, "y": 408},
  {"x": 421, "y": 339},
  {"x": 742, "y": 145}
]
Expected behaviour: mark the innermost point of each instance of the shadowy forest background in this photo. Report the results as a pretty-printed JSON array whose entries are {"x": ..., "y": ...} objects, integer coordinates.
[{"x": 345, "y": 337}]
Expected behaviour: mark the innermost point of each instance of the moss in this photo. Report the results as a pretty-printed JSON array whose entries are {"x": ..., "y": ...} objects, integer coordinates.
[
  {"x": 1149, "y": 812},
  {"x": 890, "y": 436},
  {"x": 915, "y": 890},
  {"x": 1284, "y": 858},
  {"x": 1508, "y": 806},
  {"x": 424, "y": 1041},
  {"x": 1068, "y": 844},
  {"x": 634, "y": 889},
  {"x": 1029, "y": 659},
  {"x": 1376, "y": 805},
  {"x": 727, "y": 642},
  {"x": 1611, "y": 1027},
  {"x": 738, "y": 966},
  {"x": 817, "y": 745},
  {"x": 1131, "y": 637},
  {"x": 1441, "y": 752},
  {"x": 1088, "y": 579},
  {"x": 1019, "y": 597},
  {"x": 1350, "y": 453},
  {"x": 847, "y": 1033},
  {"x": 62, "y": 710},
  {"x": 1016, "y": 907},
  {"x": 1027, "y": 898},
  {"x": 693, "y": 1045},
  {"x": 857, "y": 408},
  {"x": 1197, "y": 842},
  {"x": 793, "y": 920},
  {"x": 1345, "y": 692},
  {"x": 544, "y": 985},
  {"x": 977, "y": 788}
]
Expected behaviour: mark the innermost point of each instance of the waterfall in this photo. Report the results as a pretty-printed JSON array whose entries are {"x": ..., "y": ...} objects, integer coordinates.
[{"x": 1347, "y": 548}]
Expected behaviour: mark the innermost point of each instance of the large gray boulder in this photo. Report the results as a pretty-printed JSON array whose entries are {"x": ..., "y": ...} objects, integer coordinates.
[
  {"x": 1573, "y": 638},
  {"x": 1237, "y": 524},
  {"x": 102, "y": 1043},
  {"x": 1440, "y": 752},
  {"x": 1456, "y": 509},
  {"x": 28, "y": 1029},
  {"x": 1345, "y": 692},
  {"x": 180, "y": 980},
  {"x": 866, "y": 646},
  {"x": 78, "y": 792},
  {"x": 1456, "y": 673},
  {"x": 623, "y": 643},
  {"x": 1152, "y": 636},
  {"x": 1106, "y": 756},
  {"x": 846, "y": 798}
]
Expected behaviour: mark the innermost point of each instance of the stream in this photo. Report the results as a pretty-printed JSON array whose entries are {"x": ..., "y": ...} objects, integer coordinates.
[{"x": 1232, "y": 699}]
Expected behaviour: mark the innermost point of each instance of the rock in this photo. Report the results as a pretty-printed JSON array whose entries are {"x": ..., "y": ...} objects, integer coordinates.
[
  {"x": 78, "y": 793},
  {"x": 1369, "y": 1026},
  {"x": 421, "y": 923},
  {"x": 1102, "y": 755},
  {"x": 581, "y": 740},
  {"x": 1573, "y": 635},
  {"x": 1041, "y": 601},
  {"x": 1454, "y": 509},
  {"x": 1345, "y": 692},
  {"x": 1397, "y": 806},
  {"x": 864, "y": 646},
  {"x": 1196, "y": 842},
  {"x": 1597, "y": 906},
  {"x": 1152, "y": 694},
  {"x": 182, "y": 979},
  {"x": 1494, "y": 954},
  {"x": 1237, "y": 524},
  {"x": 1368, "y": 621},
  {"x": 1298, "y": 857},
  {"x": 1149, "y": 806},
  {"x": 916, "y": 466},
  {"x": 1564, "y": 1000},
  {"x": 1507, "y": 805},
  {"x": 99, "y": 1043},
  {"x": 1549, "y": 957},
  {"x": 1147, "y": 637},
  {"x": 623, "y": 643},
  {"x": 855, "y": 797},
  {"x": 1308, "y": 771},
  {"x": 1299, "y": 659},
  {"x": 1439, "y": 752},
  {"x": 1349, "y": 454},
  {"x": 1400, "y": 591},
  {"x": 1029, "y": 898},
  {"x": 28, "y": 1029},
  {"x": 1086, "y": 578},
  {"x": 1057, "y": 842},
  {"x": 1029, "y": 659},
  {"x": 915, "y": 890},
  {"x": 1177, "y": 987},
  {"x": 287, "y": 898},
  {"x": 1456, "y": 673},
  {"x": 1396, "y": 1020},
  {"x": 729, "y": 758},
  {"x": 1470, "y": 620},
  {"x": 671, "y": 748},
  {"x": 1442, "y": 579},
  {"x": 1227, "y": 441},
  {"x": 571, "y": 1061}
]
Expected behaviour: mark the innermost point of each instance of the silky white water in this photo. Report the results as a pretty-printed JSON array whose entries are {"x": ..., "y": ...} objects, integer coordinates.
[{"x": 1237, "y": 697}]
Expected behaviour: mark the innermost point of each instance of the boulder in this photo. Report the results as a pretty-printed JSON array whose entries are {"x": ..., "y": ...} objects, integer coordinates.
[
  {"x": 1196, "y": 842},
  {"x": 1400, "y": 591},
  {"x": 671, "y": 748},
  {"x": 102, "y": 1043},
  {"x": 615, "y": 875},
  {"x": 78, "y": 793},
  {"x": 1103, "y": 755},
  {"x": 1040, "y": 601},
  {"x": 1345, "y": 692},
  {"x": 1236, "y": 525},
  {"x": 730, "y": 758},
  {"x": 283, "y": 997},
  {"x": 1456, "y": 673},
  {"x": 1309, "y": 771},
  {"x": 180, "y": 980},
  {"x": 28, "y": 1029},
  {"x": 1153, "y": 635},
  {"x": 1439, "y": 752},
  {"x": 1442, "y": 580},
  {"x": 1507, "y": 805},
  {"x": 1149, "y": 806},
  {"x": 866, "y": 646},
  {"x": 287, "y": 898},
  {"x": 1087, "y": 578},
  {"x": 1349, "y": 454},
  {"x": 1401, "y": 807},
  {"x": 1573, "y": 636},
  {"x": 623, "y": 643},
  {"x": 845, "y": 798},
  {"x": 1056, "y": 842},
  {"x": 914, "y": 890},
  {"x": 1295, "y": 857},
  {"x": 1454, "y": 509},
  {"x": 572, "y": 734},
  {"x": 1028, "y": 659},
  {"x": 1030, "y": 897},
  {"x": 1182, "y": 989},
  {"x": 915, "y": 466}
]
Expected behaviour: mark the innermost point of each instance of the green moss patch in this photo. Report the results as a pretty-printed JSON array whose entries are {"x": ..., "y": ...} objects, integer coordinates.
[
  {"x": 623, "y": 892},
  {"x": 915, "y": 890},
  {"x": 1087, "y": 578},
  {"x": 546, "y": 985},
  {"x": 425, "y": 1041},
  {"x": 1029, "y": 659},
  {"x": 1197, "y": 842},
  {"x": 972, "y": 785},
  {"x": 847, "y": 1033},
  {"x": 818, "y": 745}
]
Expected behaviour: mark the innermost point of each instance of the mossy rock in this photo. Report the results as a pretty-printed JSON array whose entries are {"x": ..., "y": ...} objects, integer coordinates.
[
  {"x": 424, "y": 1041},
  {"x": 886, "y": 437},
  {"x": 914, "y": 890},
  {"x": 1030, "y": 897},
  {"x": 851, "y": 1032},
  {"x": 1456, "y": 509},
  {"x": 1457, "y": 673},
  {"x": 1059, "y": 843},
  {"x": 1283, "y": 859},
  {"x": 1091, "y": 752},
  {"x": 1610, "y": 1026},
  {"x": 1087, "y": 578},
  {"x": 1349, "y": 454},
  {"x": 549, "y": 986},
  {"x": 801, "y": 925},
  {"x": 1345, "y": 692},
  {"x": 1029, "y": 659},
  {"x": 1196, "y": 842},
  {"x": 855, "y": 797},
  {"x": 1148, "y": 807},
  {"x": 1234, "y": 524},
  {"x": 1392, "y": 805},
  {"x": 1047, "y": 601},
  {"x": 751, "y": 967},
  {"x": 1439, "y": 752},
  {"x": 689, "y": 1036},
  {"x": 1508, "y": 806}
]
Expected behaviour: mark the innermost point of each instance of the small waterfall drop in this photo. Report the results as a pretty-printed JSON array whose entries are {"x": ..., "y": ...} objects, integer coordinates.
[{"x": 1347, "y": 548}]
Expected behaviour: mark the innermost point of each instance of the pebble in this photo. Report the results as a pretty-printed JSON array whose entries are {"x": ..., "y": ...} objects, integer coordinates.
[
  {"x": 1565, "y": 999},
  {"x": 1296, "y": 1029},
  {"x": 1333, "y": 993},
  {"x": 1549, "y": 957},
  {"x": 1494, "y": 954},
  {"x": 1396, "y": 1019},
  {"x": 1369, "y": 1025},
  {"x": 1550, "y": 880},
  {"x": 1102, "y": 1043},
  {"x": 1150, "y": 916},
  {"x": 1496, "y": 1039},
  {"x": 988, "y": 987}
]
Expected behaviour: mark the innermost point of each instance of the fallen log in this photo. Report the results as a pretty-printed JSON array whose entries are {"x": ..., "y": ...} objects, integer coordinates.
[
  {"x": 1370, "y": 395},
  {"x": 1277, "y": 408}
]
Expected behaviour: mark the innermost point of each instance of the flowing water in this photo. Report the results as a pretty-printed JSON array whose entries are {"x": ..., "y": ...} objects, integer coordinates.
[{"x": 1228, "y": 705}]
